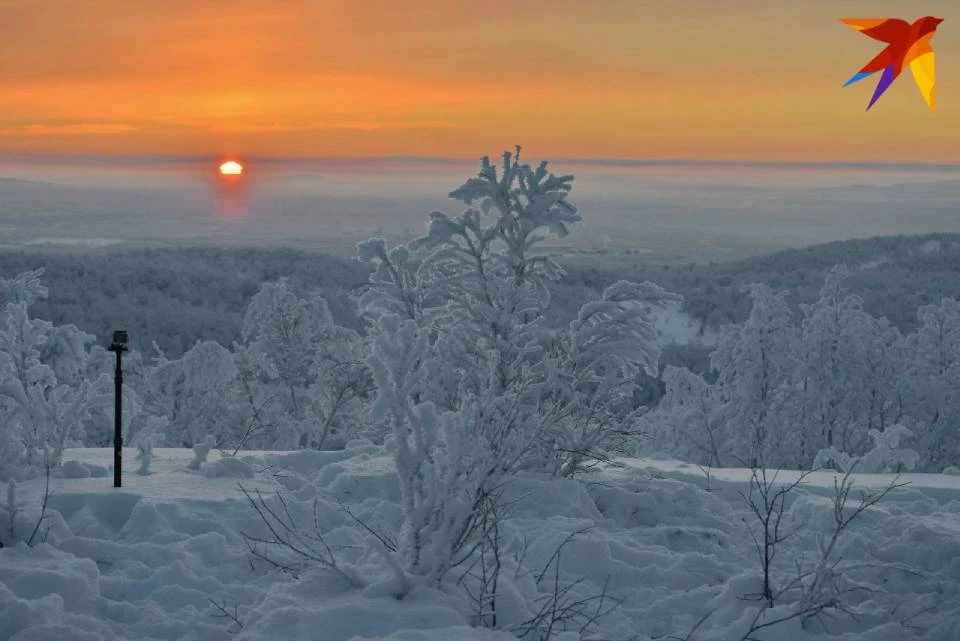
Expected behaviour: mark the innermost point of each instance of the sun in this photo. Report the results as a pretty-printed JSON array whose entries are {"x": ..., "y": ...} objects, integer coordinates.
[{"x": 231, "y": 168}]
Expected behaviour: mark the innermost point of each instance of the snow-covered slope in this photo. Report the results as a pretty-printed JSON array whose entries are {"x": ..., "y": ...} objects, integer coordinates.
[{"x": 155, "y": 559}]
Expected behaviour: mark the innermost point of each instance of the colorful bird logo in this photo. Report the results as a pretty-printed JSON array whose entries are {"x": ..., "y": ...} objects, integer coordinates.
[{"x": 906, "y": 44}]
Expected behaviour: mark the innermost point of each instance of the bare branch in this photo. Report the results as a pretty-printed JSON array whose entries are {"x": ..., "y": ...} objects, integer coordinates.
[
  {"x": 285, "y": 534},
  {"x": 43, "y": 504},
  {"x": 696, "y": 626},
  {"x": 224, "y": 613}
]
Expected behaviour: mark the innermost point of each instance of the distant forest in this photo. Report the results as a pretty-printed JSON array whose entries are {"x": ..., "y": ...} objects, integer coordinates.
[
  {"x": 176, "y": 297},
  {"x": 894, "y": 275}
]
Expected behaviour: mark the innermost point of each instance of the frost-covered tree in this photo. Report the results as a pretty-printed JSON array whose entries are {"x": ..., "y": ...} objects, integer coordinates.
[
  {"x": 302, "y": 378},
  {"x": 884, "y": 360},
  {"x": 597, "y": 373},
  {"x": 687, "y": 422},
  {"x": 439, "y": 475},
  {"x": 756, "y": 369},
  {"x": 839, "y": 344},
  {"x": 478, "y": 282},
  {"x": 933, "y": 372},
  {"x": 471, "y": 383},
  {"x": 191, "y": 392},
  {"x": 26, "y": 287},
  {"x": 396, "y": 286},
  {"x": 44, "y": 398}
]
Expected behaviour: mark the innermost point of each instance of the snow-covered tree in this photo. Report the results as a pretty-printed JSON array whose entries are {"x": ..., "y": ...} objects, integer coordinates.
[
  {"x": 608, "y": 346},
  {"x": 301, "y": 377},
  {"x": 839, "y": 343},
  {"x": 884, "y": 361},
  {"x": 933, "y": 372},
  {"x": 191, "y": 392},
  {"x": 42, "y": 414},
  {"x": 471, "y": 382},
  {"x": 22, "y": 288},
  {"x": 396, "y": 284},
  {"x": 686, "y": 423},
  {"x": 479, "y": 283},
  {"x": 429, "y": 486},
  {"x": 756, "y": 369}
]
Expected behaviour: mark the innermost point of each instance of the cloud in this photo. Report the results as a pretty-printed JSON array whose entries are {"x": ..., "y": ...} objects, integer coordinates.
[
  {"x": 76, "y": 129},
  {"x": 362, "y": 125},
  {"x": 763, "y": 164}
]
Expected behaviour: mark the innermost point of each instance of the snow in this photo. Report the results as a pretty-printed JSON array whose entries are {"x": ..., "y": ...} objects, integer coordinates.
[
  {"x": 144, "y": 561},
  {"x": 876, "y": 262},
  {"x": 682, "y": 328}
]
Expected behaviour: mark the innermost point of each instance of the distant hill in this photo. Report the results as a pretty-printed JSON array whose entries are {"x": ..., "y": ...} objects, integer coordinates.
[
  {"x": 893, "y": 274},
  {"x": 19, "y": 182},
  {"x": 906, "y": 189},
  {"x": 175, "y": 297}
]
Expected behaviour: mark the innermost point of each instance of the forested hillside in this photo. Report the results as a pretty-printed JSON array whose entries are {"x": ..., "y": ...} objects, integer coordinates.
[
  {"x": 175, "y": 297},
  {"x": 178, "y": 296},
  {"x": 895, "y": 275}
]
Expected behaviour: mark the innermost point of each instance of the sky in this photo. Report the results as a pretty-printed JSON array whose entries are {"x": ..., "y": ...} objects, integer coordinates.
[{"x": 740, "y": 80}]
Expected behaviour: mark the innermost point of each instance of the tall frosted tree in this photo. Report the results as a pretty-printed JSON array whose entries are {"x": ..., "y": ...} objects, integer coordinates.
[
  {"x": 471, "y": 382},
  {"x": 597, "y": 372},
  {"x": 191, "y": 392},
  {"x": 934, "y": 384},
  {"x": 829, "y": 358},
  {"x": 848, "y": 367},
  {"x": 687, "y": 421},
  {"x": 885, "y": 360},
  {"x": 44, "y": 397},
  {"x": 756, "y": 368},
  {"x": 478, "y": 282},
  {"x": 301, "y": 376},
  {"x": 25, "y": 287}
]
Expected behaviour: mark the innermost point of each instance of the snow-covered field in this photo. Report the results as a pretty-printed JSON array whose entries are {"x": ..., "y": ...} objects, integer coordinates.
[{"x": 149, "y": 560}]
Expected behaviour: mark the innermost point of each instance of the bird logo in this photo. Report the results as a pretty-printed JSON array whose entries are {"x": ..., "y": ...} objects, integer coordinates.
[{"x": 906, "y": 44}]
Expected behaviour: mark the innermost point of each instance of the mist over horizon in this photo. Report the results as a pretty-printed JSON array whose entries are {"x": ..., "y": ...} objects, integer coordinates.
[{"x": 663, "y": 210}]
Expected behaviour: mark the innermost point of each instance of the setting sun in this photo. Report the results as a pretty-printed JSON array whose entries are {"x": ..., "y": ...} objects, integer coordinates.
[{"x": 231, "y": 168}]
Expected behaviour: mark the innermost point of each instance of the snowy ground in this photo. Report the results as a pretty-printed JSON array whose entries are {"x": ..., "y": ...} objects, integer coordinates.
[{"x": 143, "y": 562}]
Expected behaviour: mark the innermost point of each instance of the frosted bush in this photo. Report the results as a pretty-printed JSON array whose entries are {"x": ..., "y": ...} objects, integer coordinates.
[
  {"x": 200, "y": 452},
  {"x": 191, "y": 392},
  {"x": 46, "y": 396},
  {"x": 301, "y": 378},
  {"x": 886, "y": 455}
]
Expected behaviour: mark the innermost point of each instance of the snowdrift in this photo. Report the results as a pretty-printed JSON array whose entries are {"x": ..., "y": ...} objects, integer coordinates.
[{"x": 165, "y": 557}]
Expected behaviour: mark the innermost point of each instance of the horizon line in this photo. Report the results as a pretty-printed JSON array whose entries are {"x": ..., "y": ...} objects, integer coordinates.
[{"x": 636, "y": 163}]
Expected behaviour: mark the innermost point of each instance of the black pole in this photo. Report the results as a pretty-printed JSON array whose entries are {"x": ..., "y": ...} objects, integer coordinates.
[
  {"x": 117, "y": 413},
  {"x": 119, "y": 346}
]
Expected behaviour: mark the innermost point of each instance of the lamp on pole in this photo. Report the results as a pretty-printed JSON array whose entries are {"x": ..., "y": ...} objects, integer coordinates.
[{"x": 119, "y": 346}]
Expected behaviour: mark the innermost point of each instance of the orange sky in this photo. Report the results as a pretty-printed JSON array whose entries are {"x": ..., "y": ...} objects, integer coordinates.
[{"x": 730, "y": 79}]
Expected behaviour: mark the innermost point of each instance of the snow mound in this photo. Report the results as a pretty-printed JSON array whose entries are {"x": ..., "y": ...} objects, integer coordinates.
[
  {"x": 229, "y": 467},
  {"x": 164, "y": 557},
  {"x": 77, "y": 470}
]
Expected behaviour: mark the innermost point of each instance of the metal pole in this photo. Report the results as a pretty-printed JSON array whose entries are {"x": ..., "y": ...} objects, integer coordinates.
[
  {"x": 119, "y": 345},
  {"x": 117, "y": 411}
]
